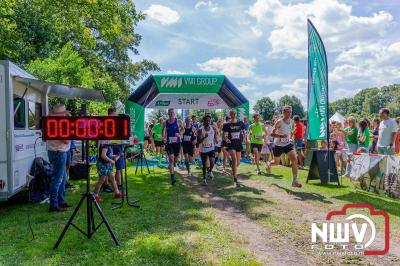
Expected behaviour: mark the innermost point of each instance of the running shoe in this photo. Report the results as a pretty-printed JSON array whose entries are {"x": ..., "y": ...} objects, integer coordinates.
[
  {"x": 296, "y": 184},
  {"x": 98, "y": 199},
  {"x": 259, "y": 172},
  {"x": 210, "y": 175},
  {"x": 236, "y": 182},
  {"x": 119, "y": 195},
  {"x": 204, "y": 183},
  {"x": 189, "y": 175},
  {"x": 173, "y": 180}
]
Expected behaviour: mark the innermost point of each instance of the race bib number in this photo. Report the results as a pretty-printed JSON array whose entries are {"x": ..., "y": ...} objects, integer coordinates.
[
  {"x": 285, "y": 140},
  {"x": 235, "y": 135},
  {"x": 159, "y": 136},
  {"x": 258, "y": 136},
  {"x": 173, "y": 139},
  {"x": 187, "y": 138},
  {"x": 207, "y": 144}
]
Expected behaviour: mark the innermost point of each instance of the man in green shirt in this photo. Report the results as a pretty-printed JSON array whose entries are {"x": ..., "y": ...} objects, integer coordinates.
[
  {"x": 256, "y": 138},
  {"x": 158, "y": 137}
]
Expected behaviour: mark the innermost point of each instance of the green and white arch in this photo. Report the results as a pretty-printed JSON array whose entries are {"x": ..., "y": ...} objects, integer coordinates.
[{"x": 183, "y": 92}]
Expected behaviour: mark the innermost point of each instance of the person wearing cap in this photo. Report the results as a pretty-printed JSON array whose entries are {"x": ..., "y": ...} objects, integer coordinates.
[
  {"x": 207, "y": 137},
  {"x": 57, "y": 153},
  {"x": 172, "y": 136},
  {"x": 256, "y": 139}
]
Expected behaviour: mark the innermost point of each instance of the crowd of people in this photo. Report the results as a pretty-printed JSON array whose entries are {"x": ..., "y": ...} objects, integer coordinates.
[
  {"x": 381, "y": 136},
  {"x": 223, "y": 143},
  {"x": 226, "y": 141}
]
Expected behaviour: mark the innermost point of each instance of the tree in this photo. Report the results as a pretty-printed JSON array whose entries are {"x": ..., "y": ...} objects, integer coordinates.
[
  {"x": 155, "y": 115},
  {"x": 101, "y": 32},
  {"x": 293, "y": 101},
  {"x": 265, "y": 107}
]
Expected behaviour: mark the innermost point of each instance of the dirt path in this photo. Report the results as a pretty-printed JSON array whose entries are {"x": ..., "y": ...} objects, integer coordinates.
[
  {"x": 266, "y": 246},
  {"x": 274, "y": 248}
]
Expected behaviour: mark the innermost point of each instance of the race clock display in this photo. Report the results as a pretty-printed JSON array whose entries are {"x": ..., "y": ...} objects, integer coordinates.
[{"x": 86, "y": 128}]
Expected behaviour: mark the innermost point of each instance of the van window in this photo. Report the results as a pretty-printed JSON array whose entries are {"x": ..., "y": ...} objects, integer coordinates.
[
  {"x": 34, "y": 115},
  {"x": 19, "y": 113}
]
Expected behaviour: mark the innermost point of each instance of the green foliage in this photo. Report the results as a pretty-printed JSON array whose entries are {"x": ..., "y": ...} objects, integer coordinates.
[
  {"x": 155, "y": 114},
  {"x": 215, "y": 115},
  {"x": 368, "y": 102},
  {"x": 98, "y": 36},
  {"x": 293, "y": 101},
  {"x": 265, "y": 107}
]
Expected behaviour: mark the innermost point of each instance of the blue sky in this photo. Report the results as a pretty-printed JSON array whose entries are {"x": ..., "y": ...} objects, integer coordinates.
[{"x": 261, "y": 44}]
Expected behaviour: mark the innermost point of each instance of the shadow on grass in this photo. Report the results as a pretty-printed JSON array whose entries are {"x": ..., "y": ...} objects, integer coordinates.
[
  {"x": 379, "y": 202},
  {"x": 303, "y": 196},
  {"x": 153, "y": 234}
]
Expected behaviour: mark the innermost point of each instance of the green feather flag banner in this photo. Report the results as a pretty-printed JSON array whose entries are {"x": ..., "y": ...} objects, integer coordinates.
[{"x": 317, "y": 86}]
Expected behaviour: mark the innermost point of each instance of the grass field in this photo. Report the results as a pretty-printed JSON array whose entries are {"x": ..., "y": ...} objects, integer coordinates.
[{"x": 174, "y": 226}]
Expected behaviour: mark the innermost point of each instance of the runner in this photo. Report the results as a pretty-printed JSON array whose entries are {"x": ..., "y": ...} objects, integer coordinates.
[
  {"x": 298, "y": 138},
  {"x": 158, "y": 138},
  {"x": 266, "y": 149},
  {"x": 224, "y": 146},
  {"x": 207, "y": 138},
  {"x": 188, "y": 144},
  {"x": 256, "y": 135},
  {"x": 218, "y": 148},
  {"x": 282, "y": 133},
  {"x": 195, "y": 124},
  {"x": 245, "y": 137},
  {"x": 171, "y": 135},
  {"x": 232, "y": 135}
]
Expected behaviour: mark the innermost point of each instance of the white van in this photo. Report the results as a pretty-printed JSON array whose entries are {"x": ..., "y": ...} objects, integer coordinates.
[{"x": 23, "y": 101}]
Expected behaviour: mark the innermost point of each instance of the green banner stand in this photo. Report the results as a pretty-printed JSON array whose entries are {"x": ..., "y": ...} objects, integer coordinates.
[{"x": 136, "y": 113}]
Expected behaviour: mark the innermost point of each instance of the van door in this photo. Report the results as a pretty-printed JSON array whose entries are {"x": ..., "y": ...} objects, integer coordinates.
[{"x": 3, "y": 135}]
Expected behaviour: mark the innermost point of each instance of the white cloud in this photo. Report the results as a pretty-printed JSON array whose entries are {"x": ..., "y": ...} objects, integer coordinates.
[
  {"x": 377, "y": 64},
  {"x": 298, "y": 88},
  {"x": 339, "y": 28},
  {"x": 246, "y": 88},
  {"x": 210, "y": 6},
  {"x": 256, "y": 31},
  {"x": 162, "y": 14},
  {"x": 175, "y": 72},
  {"x": 343, "y": 93},
  {"x": 237, "y": 67}
]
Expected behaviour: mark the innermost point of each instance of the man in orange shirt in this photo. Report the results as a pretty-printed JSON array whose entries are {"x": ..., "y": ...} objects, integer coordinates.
[{"x": 298, "y": 139}]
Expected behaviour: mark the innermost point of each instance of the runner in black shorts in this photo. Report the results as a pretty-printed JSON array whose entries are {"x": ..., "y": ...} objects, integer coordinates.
[
  {"x": 233, "y": 132},
  {"x": 171, "y": 134},
  {"x": 188, "y": 143},
  {"x": 207, "y": 138}
]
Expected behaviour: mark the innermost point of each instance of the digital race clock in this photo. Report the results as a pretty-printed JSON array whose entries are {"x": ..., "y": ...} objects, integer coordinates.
[{"x": 86, "y": 127}]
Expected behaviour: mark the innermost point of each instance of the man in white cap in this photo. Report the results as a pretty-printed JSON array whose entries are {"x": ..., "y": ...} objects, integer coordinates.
[{"x": 57, "y": 152}]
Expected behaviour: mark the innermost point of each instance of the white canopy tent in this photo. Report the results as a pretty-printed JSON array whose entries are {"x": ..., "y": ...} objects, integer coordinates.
[{"x": 337, "y": 117}]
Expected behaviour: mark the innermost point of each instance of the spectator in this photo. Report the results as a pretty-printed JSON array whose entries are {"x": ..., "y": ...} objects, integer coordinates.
[
  {"x": 338, "y": 144},
  {"x": 351, "y": 134},
  {"x": 375, "y": 134},
  {"x": 387, "y": 133},
  {"x": 57, "y": 152},
  {"x": 364, "y": 134},
  {"x": 397, "y": 143}
]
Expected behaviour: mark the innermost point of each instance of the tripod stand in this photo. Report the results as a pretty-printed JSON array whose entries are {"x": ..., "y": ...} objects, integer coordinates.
[
  {"x": 90, "y": 201},
  {"x": 121, "y": 203},
  {"x": 139, "y": 158}
]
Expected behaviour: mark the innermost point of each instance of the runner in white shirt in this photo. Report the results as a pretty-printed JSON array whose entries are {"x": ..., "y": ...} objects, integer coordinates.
[
  {"x": 283, "y": 142},
  {"x": 207, "y": 137}
]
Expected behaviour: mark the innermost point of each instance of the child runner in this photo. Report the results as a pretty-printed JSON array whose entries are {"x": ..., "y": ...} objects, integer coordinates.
[
  {"x": 105, "y": 163},
  {"x": 282, "y": 133},
  {"x": 256, "y": 138},
  {"x": 233, "y": 131},
  {"x": 207, "y": 138}
]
